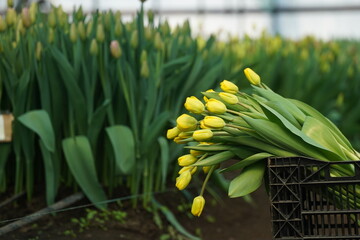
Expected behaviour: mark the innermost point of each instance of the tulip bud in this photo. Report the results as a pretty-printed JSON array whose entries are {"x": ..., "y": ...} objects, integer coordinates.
[
  {"x": 134, "y": 40},
  {"x": 143, "y": 56},
  {"x": 33, "y": 12},
  {"x": 158, "y": 43},
  {"x": 94, "y": 48},
  {"x": 229, "y": 87},
  {"x": 194, "y": 105},
  {"x": 19, "y": 29},
  {"x": 188, "y": 168},
  {"x": 183, "y": 180},
  {"x": 118, "y": 29},
  {"x": 205, "y": 98},
  {"x": 81, "y": 30},
  {"x": 203, "y": 135},
  {"x": 214, "y": 122},
  {"x": 165, "y": 28},
  {"x": 198, "y": 206},
  {"x": 51, "y": 35},
  {"x": 25, "y": 17},
  {"x": 148, "y": 33},
  {"x": 38, "y": 51},
  {"x": 52, "y": 19},
  {"x": 215, "y": 106},
  {"x": 172, "y": 133},
  {"x": 150, "y": 15},
  {"x": 10, "y": 3},
  {"x": 89, "y": 28},
  {"x": 2, "y": 24},
  {"x": 107, "y": 20},
  {"x": 100, "y": 34},
  {"x": 186, "y": 160},
  {"x": 202, "y": 125},
  {"x": 186, "y": 123},
  {"x": 144, "y": 72},
  {"x": 79, "y": 15},
  {"x": 73, "y": 33},
  {"x": 117, "y": 16},
  {"x": 115, "y": 49},
  {"x": 252, "y": 76},
  {"x": 229, "y": 98},
  {"x": 10, "y": 16},
  {"x": 196, "y": 152}
]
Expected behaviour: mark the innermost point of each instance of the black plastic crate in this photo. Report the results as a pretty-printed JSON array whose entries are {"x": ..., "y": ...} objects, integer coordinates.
[{"x": 309, "y": 202}]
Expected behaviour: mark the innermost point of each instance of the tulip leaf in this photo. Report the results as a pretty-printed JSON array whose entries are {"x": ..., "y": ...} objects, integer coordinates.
[
  {"x": 50, "y": 174},
  {"x": 122, "y": 141},
  {"x": 215, "y": 159},
  {"x": 248, "y": 181},
  {"x": 165, "y": 158},
  {"x": 81, "y": 163},
  {"x": 319, "y": 132},
  {"x": 209, "y": 148},
  {"x": 39, "y": 122},
  {"x": 247, "y": 161}
]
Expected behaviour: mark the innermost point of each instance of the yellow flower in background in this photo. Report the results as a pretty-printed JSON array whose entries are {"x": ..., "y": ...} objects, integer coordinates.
[
  {"x": 100, "y": 33},
  {"x": 10, "y": 16},
  {"x": 194, "y": 105},
  {"x": 205, "y": 98},
  {"x": 172, "y": 133},
  {"x": 203, "y": 135},
  {"x": 186, "y": 160},
  {"x": 214, "y": 122},
  {"x": 252, "y": 76},
  {"x": 198, "y": 206},
  {"x": 2, "y": 24},
  {"x": 94, "y": 49},
  {"x": 229, "y": 98},
  {"x": 183, "y": 180},
  {"x": 215, "y": 106},
  {"x": 229, "y": 87},
  {"x": 186, "y": 123},
  {"x": 191, "y": 169},
  {"x": 73, "y": 33}
]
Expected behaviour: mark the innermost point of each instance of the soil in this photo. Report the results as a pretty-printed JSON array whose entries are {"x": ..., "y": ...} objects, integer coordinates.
[{"x": 229, "y": 219}]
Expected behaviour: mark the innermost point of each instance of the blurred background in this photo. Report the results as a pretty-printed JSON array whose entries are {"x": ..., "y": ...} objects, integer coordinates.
[{"x": 325, "y": 19}]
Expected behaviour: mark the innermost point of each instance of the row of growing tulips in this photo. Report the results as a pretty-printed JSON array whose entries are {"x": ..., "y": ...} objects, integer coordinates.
[{"x": 92, "y": 97}]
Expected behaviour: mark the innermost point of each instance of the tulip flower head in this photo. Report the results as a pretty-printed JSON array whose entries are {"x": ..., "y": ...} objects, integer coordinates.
[
  {"x": 252, "y": 76},
  {"x": 186, "y": 160},
  {"x": 172, "y": 133},
  {"x": 194, "y": 105},
  {"x": 198, "y": 206},
  {"x": 186, "y": 123},
  {"x": 229, "y": 87},
  {"x": 183, "y": 180},
  {"x": 215, "y": 106},
  {"x": 203, "y": 135},
  {"x": 229, "y": 98},
  {"x": 214, "y": 122}
]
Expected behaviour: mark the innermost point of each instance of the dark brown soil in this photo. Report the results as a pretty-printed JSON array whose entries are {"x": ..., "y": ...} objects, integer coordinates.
[{"x": 232, "y": 219}]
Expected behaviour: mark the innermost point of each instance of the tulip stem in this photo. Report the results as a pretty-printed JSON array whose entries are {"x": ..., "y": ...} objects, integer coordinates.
[
  {"x": 240, "y": 127},
  {"x": 207, "y": 179}
]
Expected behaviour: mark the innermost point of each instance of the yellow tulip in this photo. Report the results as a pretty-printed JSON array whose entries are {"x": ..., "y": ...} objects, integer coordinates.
[
  {"x": 94, "y": 48},
  {"x": 186, "y": 123},
  {"x": 198, "y": 206},
  {"x": 73, "y": 33},
  {"x": 82, "y": 31},
  {"x": 194, "y": 105},
  {"x": 229, "y": 98},
  {"x": 205, "y": 98},
  {"x": 186, "y": 160},
  {"x": 134, "y": 40},
  {"x": 52, "y": 19},
  {"x": 183, "y": 180},
  {"x": 215, "y": 106},
  {"x": 196, "y": 152},
  {"x": 214, "y": 122},
  {"x": 118, "y": 28},
  {"x": 100, "y": 34},
  {"x": 229, "y": 87},
  {"x": 203, "y": 135},
  {"x": 144, "y": 71},
  {"x": 252, "y": 76},
  {"x": 172, "y": 133},
  {"x": 10, "y": 16},
  {"x": 2, "y": 24},
  {"x": 202, "y": 125},
  {"x": 191, "y": 169},
  {"x": 51, "y": 35},
  {"x": 206, "y": 169},
  {"x": 158, "y": 43},
  {"x": 25, "y": 17}
]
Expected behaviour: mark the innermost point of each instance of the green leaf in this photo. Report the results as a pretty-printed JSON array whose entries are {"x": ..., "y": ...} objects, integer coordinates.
[
  {"x": 122, "y": 140},
  {"x": 248, "y": 181},
  {"x": 4, "y": 156},
  {"x": 247, "y": 161},
  {"x": 50, "y": 175},
  {"x": 80, "y": 160},
  {"x": 39, "y": 122},
  {"x": 215, "y": 159},
  {"x": 165, "y": 157}
]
